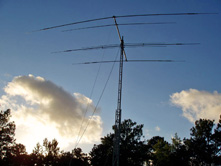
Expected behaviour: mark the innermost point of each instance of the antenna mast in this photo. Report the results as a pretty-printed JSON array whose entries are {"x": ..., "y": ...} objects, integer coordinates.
[{"x": 117, "y": 127}]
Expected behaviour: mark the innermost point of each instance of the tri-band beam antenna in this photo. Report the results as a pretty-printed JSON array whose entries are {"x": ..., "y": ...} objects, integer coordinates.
[
  {"x": 123, "y": 58},
  {"x": 120, "y": 16}
]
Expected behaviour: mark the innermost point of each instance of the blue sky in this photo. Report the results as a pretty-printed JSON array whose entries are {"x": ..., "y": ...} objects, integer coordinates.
[{"x": 148, "y": 88}]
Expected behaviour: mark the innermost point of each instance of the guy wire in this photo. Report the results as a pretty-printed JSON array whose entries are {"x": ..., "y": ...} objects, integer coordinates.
[
  {"x": 88, "y": 122},
  {"x": 95, "y": 81}
]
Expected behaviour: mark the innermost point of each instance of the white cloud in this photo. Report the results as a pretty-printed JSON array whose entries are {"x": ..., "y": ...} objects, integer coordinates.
[
  {"x": 197, "y": 104},
  {"x": 42, "y": 109},
  {"x": 157, "y": 128}
]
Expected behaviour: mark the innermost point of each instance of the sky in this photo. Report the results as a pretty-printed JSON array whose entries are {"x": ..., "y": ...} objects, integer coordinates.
[{"x": 49, "y": 95}]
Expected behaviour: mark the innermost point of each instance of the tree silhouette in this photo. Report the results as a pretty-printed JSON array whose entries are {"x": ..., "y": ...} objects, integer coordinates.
[
  {"x": 101, "y": 155},
  {"x": 159, "y": 151},
  {"x": 7, "y": 133},
  {"x": 37, "y": 156},
  {"x": 179, "y": 154},
  {"x": 217, "y": 141},
  {"x": 49, "y": 154},
  {"x": 51, "y": 151},
  {"x": 79, "y": 158},
  {"x": 202, "y": 148},
  {"x": 133, "y": 151},
  {"x": 204, "y": 144},
  {"x": 19, "y": 155}
]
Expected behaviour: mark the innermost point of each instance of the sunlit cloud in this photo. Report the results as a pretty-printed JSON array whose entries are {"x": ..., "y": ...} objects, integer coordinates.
[
  {"x": 197, "y": 104},
  {"x": 42, "y": 109}
]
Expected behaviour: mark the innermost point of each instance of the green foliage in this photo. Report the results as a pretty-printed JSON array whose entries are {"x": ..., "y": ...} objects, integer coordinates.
[
  {"x": 204, "y": 144},
  {"x": 132, "y": 148},
  {"x": 179, "y": 154},
  {"x": 204, "y": 147},
  {"x": 101, "y": 155},
  {"x": 176, "y": 143},
  {"x": 202, "y": 130},
  {"x": 159, "y": 151}
]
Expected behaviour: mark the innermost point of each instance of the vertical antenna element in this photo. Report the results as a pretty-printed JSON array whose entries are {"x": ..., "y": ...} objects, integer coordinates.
[
  {"x": 118, "y": 31},
  {"x": 117, "y": 127}
]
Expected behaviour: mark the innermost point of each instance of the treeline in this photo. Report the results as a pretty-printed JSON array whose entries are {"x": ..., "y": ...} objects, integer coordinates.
[
  {"x": 202, "y": 148},
  {"x": 46, "y": 154}
]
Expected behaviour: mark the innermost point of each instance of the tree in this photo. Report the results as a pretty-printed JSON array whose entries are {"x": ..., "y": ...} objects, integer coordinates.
[
  {"x": 19, "y": 155},
  {"x": 19, "y": 149},
  {"x": 101, "y": 155},
  {"x": 51, "y": 151},
  {"x": 65, "y": 159},
  {"x": 7, "y": 132},
  {"x": 159, "y": 151},
  {"x": 204, "y": 143},
  {"x": 38, "y": 150},
  {"x": 153, "y": 141},
  {"x": 133, "y": 150},
  {"x": 217, "y": 141},
  {"x": 79, "y": 158},
  {"x": 179, "y": 154},
  {"x": 37, "y": 156},
  {"x": 46, "y": 154},
  {"x": 51, "y": 148},
  {"x": 176, "y": 143}
]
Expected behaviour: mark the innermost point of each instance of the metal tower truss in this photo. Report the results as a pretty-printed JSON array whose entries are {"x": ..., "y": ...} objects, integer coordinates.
[{"x": 117, "y": 128}]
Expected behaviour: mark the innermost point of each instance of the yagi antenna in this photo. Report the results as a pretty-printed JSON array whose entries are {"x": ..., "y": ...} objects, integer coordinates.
[
  {"x": 121, "y": 16},
  {"x": 123, "y": 58}
]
